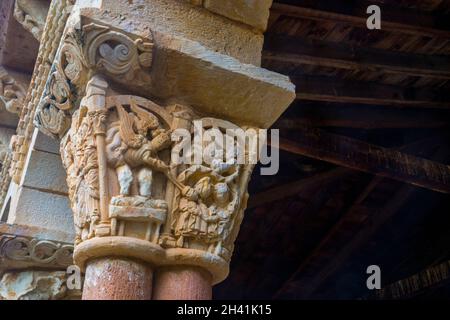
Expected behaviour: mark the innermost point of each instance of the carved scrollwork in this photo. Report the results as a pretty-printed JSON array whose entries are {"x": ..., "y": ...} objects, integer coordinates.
[
  {"x": 40, "y": 252},
  {"x": 53, "y": 120},
  {"x": 115, "y": 52},
  {"x": 93, "y": 48},
  {"x": 52, "y": 114}
]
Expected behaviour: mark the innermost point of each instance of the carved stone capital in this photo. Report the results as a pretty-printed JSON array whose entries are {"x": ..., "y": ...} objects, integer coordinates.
[
  {"x": 130, "y": 199},
  {"x": 115, "y": 98}
]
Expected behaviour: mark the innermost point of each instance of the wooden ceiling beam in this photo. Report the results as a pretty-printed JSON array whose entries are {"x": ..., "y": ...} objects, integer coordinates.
[
  {"x": 329, "y": 89},
  {"x": 430, "y": 278},
  {"x": 393, "y": 19},
  {"x": 362, "y": 117},
  {"x": 365, "y": 230},
  {"x": 282, "y": 48},
  {"x": 358, "y": 155},
  {"x": 362, "y": 236}
]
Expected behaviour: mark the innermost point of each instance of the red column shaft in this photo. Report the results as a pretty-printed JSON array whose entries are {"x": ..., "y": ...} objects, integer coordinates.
[
  {"x": 117, "y": 279},
  {"x": 182, "y": 283}
]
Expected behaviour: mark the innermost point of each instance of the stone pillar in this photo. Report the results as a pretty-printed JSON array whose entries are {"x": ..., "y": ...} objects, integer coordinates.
[
  {"x": 124, "y": 97},
  {"x": 182, "y": 283},
  {"x": 117, "y": 279}
]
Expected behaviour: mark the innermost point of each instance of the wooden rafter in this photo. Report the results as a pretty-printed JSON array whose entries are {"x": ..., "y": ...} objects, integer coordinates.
[
  {"x": 393, "y": 19},
  {"x": 362, "y": 117},
  {"x": 329, "y": 89},
  {"x": 362, "y": 156},
  {"x": 365, "y": 233},
  {"x": 296, "y": 50},
  {"x": 358, "y": 214},
  {"x": 418, "y": 283}
]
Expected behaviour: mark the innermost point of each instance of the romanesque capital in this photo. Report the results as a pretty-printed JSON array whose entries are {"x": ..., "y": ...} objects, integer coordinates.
[{"x": 118, "y": 99}]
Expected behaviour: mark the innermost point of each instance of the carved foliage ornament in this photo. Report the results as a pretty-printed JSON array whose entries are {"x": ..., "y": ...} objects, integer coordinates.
[
  {"x": 95, "y": 48},
  {"x": 41, "y": 252},
  {"x": 116, "y": 53}
]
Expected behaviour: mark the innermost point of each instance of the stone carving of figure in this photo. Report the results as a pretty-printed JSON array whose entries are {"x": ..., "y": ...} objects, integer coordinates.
[
  {"x": 206, "y": 205},
  {"x": 81, "y": 161},
  {"x": 134, "y": 142}
]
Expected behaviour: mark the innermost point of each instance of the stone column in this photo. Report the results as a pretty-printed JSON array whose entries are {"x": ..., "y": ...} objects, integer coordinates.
[
  {"x": 183, "y": 283},
  {"x": 124, "y": 96},
  {"x": 117, "y": 279}
]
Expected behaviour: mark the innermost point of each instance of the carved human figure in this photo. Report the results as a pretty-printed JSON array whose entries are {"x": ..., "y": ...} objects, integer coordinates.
[
  {"x": 206, "y": 205},
  {"x": 79, "y": 156},
  {"x": 193, "y": 210},
  {"x": 222, "y": 210}
]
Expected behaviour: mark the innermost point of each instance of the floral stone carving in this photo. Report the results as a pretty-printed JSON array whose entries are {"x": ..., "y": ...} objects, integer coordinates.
[{"x": 93, "y": 48}]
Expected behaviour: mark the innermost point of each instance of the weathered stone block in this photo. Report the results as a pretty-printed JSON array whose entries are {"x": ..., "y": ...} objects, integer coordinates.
[
  {"x": 44, "y": 171},
  {"x": 41, "y": 209},
  {"x": 184, "y": 20},
  {"x": 44, "y": 143},
  {"x": 252, "y": 12}
]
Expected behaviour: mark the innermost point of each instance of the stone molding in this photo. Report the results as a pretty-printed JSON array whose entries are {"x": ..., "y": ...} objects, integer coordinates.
[
  {"x": 5, "y": 179},
  {"x": 23, "y": 247},
  {"x": 252, "y": 13}
]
